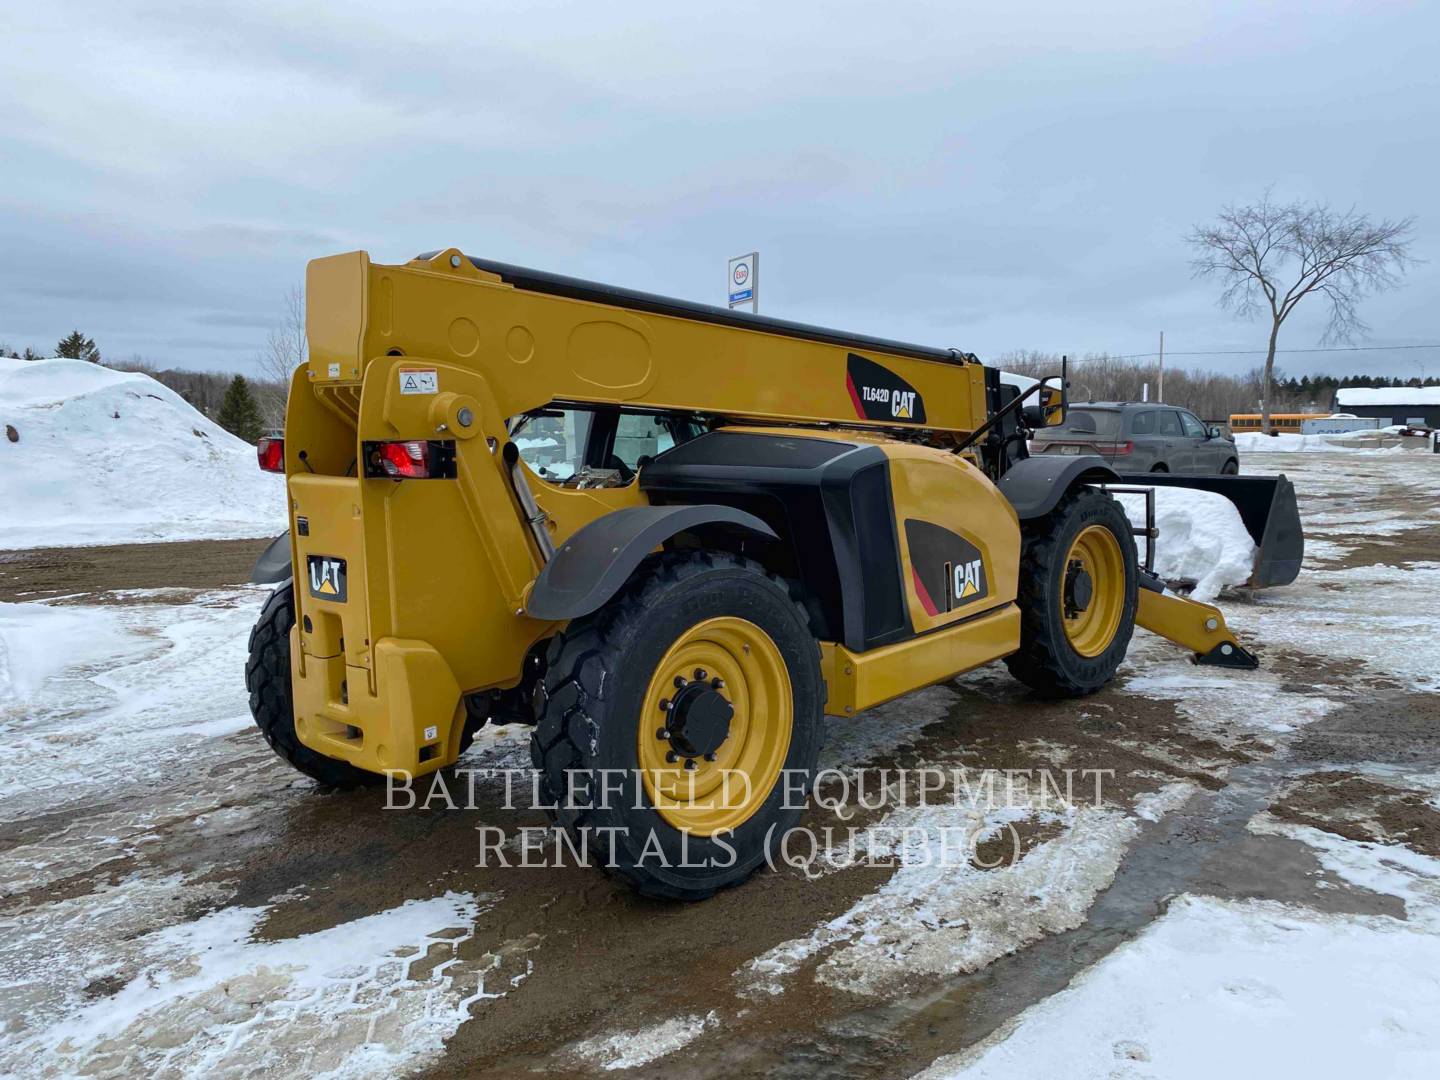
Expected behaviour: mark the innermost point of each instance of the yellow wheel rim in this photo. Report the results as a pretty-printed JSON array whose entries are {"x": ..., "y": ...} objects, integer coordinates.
[
  {"x": 1091, "y": 626},
  {"x": 723, "y": 793}
]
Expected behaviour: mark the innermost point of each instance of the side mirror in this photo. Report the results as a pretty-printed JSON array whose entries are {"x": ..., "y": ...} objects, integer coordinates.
[
  {"x": 1050, "y": 407},
  {"x": 1214, "y": 432}
]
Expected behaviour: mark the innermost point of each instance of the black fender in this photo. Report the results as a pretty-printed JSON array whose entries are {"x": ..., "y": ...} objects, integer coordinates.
[
  {"x": 1036, "y": 484},
  {"x": 592, "y": 565},
  {"x": 273, "y": 566}
]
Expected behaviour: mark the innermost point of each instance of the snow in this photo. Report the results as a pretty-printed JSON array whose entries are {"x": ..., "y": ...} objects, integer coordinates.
[
  {"x": 631, "y": 1049},
  {"x": 1153, "y": 805},
  {"x": 1202, "y": 539},
  {"x": 211, "y": 998},
  {"x": 108, "y": 457},
  {"x": 1249, "y": 988},
  {"x": 123, "y": 684},
  {"x": 38, "y": 641},
  {"x": 1392, "y": 869},
  {"x": 1389, "y": 395},
  {"x": 203, "y": 988},
  {"x": 1284, "y": 442},
  {"x": 938, "y": 914}
]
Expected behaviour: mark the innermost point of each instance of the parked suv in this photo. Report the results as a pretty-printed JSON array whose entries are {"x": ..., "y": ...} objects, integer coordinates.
[{"x": 1137, "y": 436}]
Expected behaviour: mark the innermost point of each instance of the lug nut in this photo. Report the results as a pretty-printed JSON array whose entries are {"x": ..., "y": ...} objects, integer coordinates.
[
  {"x": 690, "y": 764},
  {"x": 663, "y": 734},
  {"x": 710, "y": 756},
  {"x": 671, "y": 757},
  {"x": 717, "y": 683},
  {"x": 679, "y": 680},
  {"x": 664, "y": 704},
  {"x": 700, "y": 675}
]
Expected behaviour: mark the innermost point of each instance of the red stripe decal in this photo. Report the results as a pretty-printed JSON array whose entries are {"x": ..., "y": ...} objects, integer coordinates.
[
  {"x": 854, "y": 396},
  {"x": 920, "y": 591}
]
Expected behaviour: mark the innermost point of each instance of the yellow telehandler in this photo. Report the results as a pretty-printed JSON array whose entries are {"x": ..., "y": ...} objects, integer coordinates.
[{"x": 671, "y": 537}]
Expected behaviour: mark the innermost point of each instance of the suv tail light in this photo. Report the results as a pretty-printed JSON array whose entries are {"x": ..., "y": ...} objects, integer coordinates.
[
  {"x": 271, "y": 453},
  {"x": 410, "y": 459},
  {"x": 1115, "y": 448}
]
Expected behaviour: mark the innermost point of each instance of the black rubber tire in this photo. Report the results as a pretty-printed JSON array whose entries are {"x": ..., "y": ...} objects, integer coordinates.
[
  {"x": 267, "y": 677},
  {"x": 1161, "y": 467},
  {"x": 1046, "y": 661},
  {"x": 588, "y": 706},
  {"x": 1230, "y": 468}
]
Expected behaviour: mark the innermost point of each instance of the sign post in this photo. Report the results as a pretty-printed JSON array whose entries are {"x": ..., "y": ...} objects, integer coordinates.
[{"x": 743, "y": 281}]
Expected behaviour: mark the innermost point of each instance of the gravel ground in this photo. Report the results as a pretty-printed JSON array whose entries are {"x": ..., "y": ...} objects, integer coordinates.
[{"x": 174, "y": 901}]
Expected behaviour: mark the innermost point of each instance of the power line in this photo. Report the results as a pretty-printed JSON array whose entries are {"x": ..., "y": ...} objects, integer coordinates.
[{"x": 1250, "y": 352}]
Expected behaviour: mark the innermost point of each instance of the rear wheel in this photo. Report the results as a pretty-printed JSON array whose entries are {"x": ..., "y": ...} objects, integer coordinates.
[
  {"x": 1078, "y": 592},
  {"x": 267, "y": 677},
  {"x": 1162, "y": 467},
  {"x": 679, "y": 725}
]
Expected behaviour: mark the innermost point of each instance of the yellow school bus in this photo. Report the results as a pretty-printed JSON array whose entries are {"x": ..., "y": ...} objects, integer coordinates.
[{"x": 1278, "y": 421}]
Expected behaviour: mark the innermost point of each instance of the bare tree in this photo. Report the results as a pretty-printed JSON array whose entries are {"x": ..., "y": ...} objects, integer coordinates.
[
  {"x": 285, "y": 350},
  {"x": 1270, "y": 256}
]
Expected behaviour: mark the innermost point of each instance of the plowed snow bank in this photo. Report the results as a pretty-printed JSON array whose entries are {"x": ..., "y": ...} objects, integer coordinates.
[{"x": 110, "y": 457}]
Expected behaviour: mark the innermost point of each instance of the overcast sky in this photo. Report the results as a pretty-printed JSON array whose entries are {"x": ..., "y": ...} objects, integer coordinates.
[{"x": 988, "y": 176}]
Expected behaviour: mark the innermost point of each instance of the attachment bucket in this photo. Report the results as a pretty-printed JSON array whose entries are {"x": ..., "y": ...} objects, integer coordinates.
[{"x": 1267, "y": 507}]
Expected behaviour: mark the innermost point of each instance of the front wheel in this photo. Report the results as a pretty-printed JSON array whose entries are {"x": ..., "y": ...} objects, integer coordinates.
[
  {"x": 1077, "y": 597},
  {"x": 1230, "y": 468},
  {"x": 679, "y": 726}
]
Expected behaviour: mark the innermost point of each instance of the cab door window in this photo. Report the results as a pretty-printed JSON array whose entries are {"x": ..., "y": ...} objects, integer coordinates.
[{"x": 555, "y": 443}]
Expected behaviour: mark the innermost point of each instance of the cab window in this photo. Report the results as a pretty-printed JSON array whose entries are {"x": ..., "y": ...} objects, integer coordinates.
[
  {"x": 597, "y": 446},
  {"x": 1167, "y": 422},
  {"x": 553, "y": 443}
]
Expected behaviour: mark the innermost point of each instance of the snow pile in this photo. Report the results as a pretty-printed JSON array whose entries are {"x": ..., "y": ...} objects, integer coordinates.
[
  {"x": 107, "y": 457},
  {"x": 1388, "y": 395},
  {"x": 1202, "y": 539},
  {"x": 1285, "y": 442},
  {"x": 1217, "y": 988}
]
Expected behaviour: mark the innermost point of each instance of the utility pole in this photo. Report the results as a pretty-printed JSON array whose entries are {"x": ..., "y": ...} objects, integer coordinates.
[{"x": 1160, "y": 389}]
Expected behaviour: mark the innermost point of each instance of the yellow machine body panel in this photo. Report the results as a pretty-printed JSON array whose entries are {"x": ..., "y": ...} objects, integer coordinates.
[
  {"x": 535, "y": 348},
  {"x": 958, "y": 537}
]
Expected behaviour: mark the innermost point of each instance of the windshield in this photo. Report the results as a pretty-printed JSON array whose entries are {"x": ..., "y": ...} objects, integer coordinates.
[{"x": 1102, "y": 422}]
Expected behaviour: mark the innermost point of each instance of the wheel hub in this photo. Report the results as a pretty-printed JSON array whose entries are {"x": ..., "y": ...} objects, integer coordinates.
[
  {"x": 1079, "y": 589},
  {"x": 699, "y": 719}
]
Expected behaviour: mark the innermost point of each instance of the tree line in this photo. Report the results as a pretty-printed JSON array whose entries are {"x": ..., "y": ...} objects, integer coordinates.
[{"x": 1208, "y": 394}]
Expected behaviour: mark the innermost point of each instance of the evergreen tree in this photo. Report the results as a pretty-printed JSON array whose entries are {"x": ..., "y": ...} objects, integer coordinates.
[
  {"x": 239, "y": 414},
  {"x": 77, "y": 346}
]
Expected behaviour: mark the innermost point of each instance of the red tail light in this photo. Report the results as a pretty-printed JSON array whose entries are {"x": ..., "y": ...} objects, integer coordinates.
[
  {"x": 271, "y": 453},
  {"x": 413, "y": 459},
  {"x": 1115, "y": 448}
]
